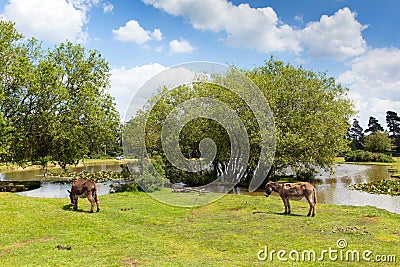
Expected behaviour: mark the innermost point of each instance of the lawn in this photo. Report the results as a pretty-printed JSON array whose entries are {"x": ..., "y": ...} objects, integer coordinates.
[{"x": 133, "y": 229}]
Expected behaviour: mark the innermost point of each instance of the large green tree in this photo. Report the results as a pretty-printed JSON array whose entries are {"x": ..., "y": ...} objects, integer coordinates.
[
  {"x": 311, "y": 113},
  {"x": 54, "y": 104}
]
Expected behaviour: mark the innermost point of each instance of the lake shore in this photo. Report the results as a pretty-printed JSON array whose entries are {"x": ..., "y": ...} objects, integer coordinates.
[{"x": 86, "y": 162}]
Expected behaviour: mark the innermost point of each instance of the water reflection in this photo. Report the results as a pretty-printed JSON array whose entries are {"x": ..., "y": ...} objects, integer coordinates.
[
  {"x": 334, "y": 188},
  {"x": 51, "y": 189},
  {"x": 59, "y": 190},
  {"x": 38, "y": 174}
]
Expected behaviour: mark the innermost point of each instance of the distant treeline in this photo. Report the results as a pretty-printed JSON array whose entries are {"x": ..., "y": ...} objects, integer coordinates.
[{"x": 375, "y": 139}]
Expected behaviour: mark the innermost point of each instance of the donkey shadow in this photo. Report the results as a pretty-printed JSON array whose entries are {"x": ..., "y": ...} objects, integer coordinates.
[
  {"x": 278, "y": 213},
  {"x": 69, "y": 207}
]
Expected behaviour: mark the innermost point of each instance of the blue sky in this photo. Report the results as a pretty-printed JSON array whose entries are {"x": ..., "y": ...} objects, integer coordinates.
[{"x": 357, "y": 42}]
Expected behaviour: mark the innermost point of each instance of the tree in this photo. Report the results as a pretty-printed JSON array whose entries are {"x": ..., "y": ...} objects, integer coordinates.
[
  {"x": 356, "y": 134},
  {"x": 393, "y": 124},
  {"x": 88, "y": 108},
  {"x": 54, "y": 104},
  {"x": 378, "y": 142},
  {"x": 310, "y": 111},
  {"x": 373, "y": 126}
]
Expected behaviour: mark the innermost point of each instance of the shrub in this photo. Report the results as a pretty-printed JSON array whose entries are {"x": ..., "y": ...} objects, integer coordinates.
[{"x": 366, "y": 156}]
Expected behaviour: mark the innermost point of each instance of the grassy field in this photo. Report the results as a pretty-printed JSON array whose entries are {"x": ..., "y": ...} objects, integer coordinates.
[{"x": 132, "y": 229}]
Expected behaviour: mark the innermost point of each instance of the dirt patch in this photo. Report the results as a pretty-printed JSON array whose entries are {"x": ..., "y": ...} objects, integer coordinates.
[
  {"x": 350, "y": 229},
  {"x": 369, "y": 219},
  {"x": 21, "y": 244},
  {"x": 130, "y": 262}
]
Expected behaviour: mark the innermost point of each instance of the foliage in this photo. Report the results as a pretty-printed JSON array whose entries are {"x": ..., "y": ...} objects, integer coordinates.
[
  {"x": 54, "y": 104},
  {"x": 373, "y": 126},
  {"x": 389, "y": 187},
  {"x": 356, "y": 135},
  {"x": 98, "y": 177},
  {"x": 124, "y": 187},
  {"x": 366, "y": 156},
  {"x": 150, "y": 181},
  {"x": 393, "y": 122},
  {"x": 310, "y": 110},
  {"x": 311, "y": 113},
  {"x": 378, "y": 142}
]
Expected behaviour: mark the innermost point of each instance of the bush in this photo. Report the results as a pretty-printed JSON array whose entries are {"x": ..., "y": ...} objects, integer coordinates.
[
  {"x": 128, "y": 187},
  {"x": 150, "y": 182},
  {"x": 366, "y": 156}
]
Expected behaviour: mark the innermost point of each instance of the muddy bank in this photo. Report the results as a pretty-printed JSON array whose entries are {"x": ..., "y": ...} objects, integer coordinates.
[{"x": 18, "y": 186}]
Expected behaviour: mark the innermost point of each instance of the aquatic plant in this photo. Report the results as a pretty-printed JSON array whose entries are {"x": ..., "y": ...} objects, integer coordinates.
[{"x": 389, "y": 187}]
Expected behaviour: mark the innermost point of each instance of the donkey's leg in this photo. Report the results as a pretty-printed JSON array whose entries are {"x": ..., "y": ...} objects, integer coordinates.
[
  {"x": 76, "y": 203},
  {"x": 96, "y": 198},
  {"x": 312, "y": 206},
  {"x": 286, "y": 203},
  {"x": 90, "y": 198}
]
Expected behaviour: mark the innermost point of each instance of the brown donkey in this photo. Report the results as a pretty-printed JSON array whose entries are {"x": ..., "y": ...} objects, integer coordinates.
[
  {"x": 294, "y": 191},
  {"x": 84, "y": 189}
]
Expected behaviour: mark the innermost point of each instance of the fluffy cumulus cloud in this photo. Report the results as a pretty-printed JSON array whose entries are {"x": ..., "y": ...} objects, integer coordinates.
[
  {"x": 133, "y": 32},
  {"x": 52, "y": 20},
  {"x": 226, "y": 17},
  {"x": 180, "y": 46},
  {"x": 337, "y": 36},
  {"x": 125, "y": 82},
  {"x": 374, "y": 82}
]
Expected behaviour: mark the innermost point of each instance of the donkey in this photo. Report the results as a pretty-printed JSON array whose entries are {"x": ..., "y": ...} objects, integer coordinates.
[
  {"x": 81, "y": 189},
  {"x": 294, "y": 191}
]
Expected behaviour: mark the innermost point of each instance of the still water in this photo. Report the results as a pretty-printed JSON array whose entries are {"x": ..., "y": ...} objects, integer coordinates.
[
  {"x": 333, "y": 189},
  {"x": 51, "y": 189}
]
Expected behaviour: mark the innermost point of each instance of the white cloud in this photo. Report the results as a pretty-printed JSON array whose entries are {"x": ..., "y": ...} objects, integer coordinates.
[
  {"x": 50, "y": 20},
  {"x": 133, "y": 32},
  {"x": 180, "y": 46},
  {"x": 53, "y": 20},
  {"x": 108, "y": 7},
  {"x": 374, "y": 82},
  {"x": 257, "y": 28},
  {"x": 299, "y": 19},
  {"x": 337, "y": 36},
  {"x": 126, "y": 82}
]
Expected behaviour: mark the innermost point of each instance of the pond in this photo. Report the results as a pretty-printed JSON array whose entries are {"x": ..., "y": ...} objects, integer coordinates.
[
  {"x": 50, "y": 188},
  {"x": 333, "y": 189}
]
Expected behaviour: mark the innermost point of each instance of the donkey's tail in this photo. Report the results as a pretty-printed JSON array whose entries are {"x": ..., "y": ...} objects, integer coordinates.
[{"x": 315, "y": 196}]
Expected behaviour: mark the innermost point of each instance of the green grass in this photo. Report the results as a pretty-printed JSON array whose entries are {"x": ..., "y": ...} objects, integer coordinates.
[{"x": 133, "y": 229}]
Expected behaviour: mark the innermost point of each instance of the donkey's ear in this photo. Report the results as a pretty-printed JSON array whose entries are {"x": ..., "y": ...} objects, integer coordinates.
[{"x": 69, "y": 191}]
